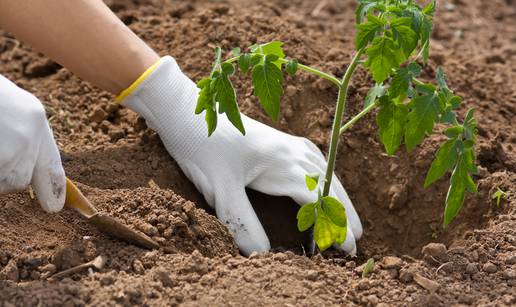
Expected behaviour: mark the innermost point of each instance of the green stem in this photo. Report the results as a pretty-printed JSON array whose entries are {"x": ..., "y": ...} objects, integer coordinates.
[
  {"x": 420, "y": 53},
  {"x": 309, "y": 69},
  {"x": 218, "y": 59},
  {"x": 357, "y": 117},
  {"x": 418, "y": 82},
  {"x": 337, "y": 121},
  {"x": 317, "y": 72}
]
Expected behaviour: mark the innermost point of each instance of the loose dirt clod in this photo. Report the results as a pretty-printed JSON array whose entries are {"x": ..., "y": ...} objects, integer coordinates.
[
  {"x": 435, "y": 253},
  {"x": 426, "y": 283},
  {"x": 390, "y": 262}
]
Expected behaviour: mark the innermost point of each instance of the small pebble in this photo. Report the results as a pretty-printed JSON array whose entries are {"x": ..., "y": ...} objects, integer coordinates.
[
  {"x": 406, "y": 276},
  {"x": 164, "y": 278},
  {"x": 471, "y": 268},
  {"x": 510, "y": 260},
  {"x": 390, "y": 262},
  {"x": 107, "y": 280},
  {"x": 138, "y": 267},
  {"x": 489, "y": 267},
  {"x": 509, "y": 274},
  {"x": 433, "y": 252},
  {"x": 364, "y": 285},
  {"x": 312, "y": 275}
]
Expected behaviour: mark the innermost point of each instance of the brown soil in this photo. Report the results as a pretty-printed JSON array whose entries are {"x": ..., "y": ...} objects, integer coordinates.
[{"x": 124, "y": 169}]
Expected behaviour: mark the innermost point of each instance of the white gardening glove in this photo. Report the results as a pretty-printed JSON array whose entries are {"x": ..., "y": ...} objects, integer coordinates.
[
  {"x": 221, "y": 166},
  {"x": 28, "y": 152}
]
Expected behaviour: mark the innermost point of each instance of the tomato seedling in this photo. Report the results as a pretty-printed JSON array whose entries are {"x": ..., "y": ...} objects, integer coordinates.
[
  {"x": 392, "y": 37},
  {"x": 499, "y": 195}
]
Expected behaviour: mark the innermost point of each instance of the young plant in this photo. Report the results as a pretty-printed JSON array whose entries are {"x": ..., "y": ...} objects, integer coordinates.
[
  {"x": 392, "y": 36},
  {"x": 499, "y": 195}
]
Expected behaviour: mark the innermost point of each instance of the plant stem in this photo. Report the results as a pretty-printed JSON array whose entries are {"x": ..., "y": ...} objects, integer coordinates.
[
  {"x": 418, "y": 82},
  {"x": 312, "y": 70},
  {"x": 350, "y": 123},
  {"x": 317, "y": 72},
  {"x": 218, "y": 58},
  {"x": 337, "y": 121},
  {"x": 420, "y": 54}
]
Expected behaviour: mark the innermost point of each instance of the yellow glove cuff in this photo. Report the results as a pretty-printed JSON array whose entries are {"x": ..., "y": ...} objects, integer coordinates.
[{"x": 135, "y": 84}]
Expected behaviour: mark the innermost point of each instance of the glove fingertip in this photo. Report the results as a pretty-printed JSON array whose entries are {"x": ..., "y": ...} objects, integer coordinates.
[
  {"x": 259, "y": 246},
  {"x": 50, "y": 187},
  {"x": 349, "y": 245}
]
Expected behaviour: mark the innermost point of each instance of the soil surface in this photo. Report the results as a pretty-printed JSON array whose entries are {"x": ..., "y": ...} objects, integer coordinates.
[{"x": 124, "y": 169}]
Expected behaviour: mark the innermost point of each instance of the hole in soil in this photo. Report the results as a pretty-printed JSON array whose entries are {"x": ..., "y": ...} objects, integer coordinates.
[
  {"x": 278, "y": 217},
  {"x": 402, "y": 232}
]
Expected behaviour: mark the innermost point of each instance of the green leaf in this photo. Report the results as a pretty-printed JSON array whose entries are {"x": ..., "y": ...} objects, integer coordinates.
[
  {"x": 382, "y": 58},
  {"x": 448, "y": 117},
  {"x": 306, "y": 216},
  {"x": 226, "y": 97},
  {"x": 271, "y": 58},
  {"x": 326, "y": 232},
  {"x": 267, "y": 82},
  {"x": 454, "y": 131},
  {"x": 470, "y": 126},
  {"x": 244, "y": 62},
  {"x": 228, "y": 69},
  {"x": 421, "y": 119},
  {"x": 211, "y": 120},
  {"x": 217, "y": 90},
  {"x": 323, "y": 232},
  {"x": 339, "y": 233},
  {"x": 375, "y": 92},
  {"x": 256, "y": 59},
  {"x": 426, "y": 32},
  {"x": 426, "y": 88},
  {"x": 460, "y": 181},
  {"x": 274, "y": 47},
  {"x": 469, "y": 157},
  {"x": 404, "y": 35},
  {"x": 204, "y": 82},
  {"x": 415, "y": 14},
  {"x": 363, "y": 8},
  {"x": 391, "y": 121},
  {"x": 292, "y": 66},
  {"x": 455, "y": 101},
  {"x": 429, "y": 9},
  {"x": 402, "y": 79},
  {"x": 311, "y": 181},
  {"x": 440, "y": 77},
  {"x": 366, "y": 32},
  {"x": 236, "y": 51},
  {"x": 206, "y": 102},
  {"x": 368, "y": 267},
  {"x": 444, "y": 161},
  {"x": 334, "y": 209},
  {"x": 469, "y": 118}
]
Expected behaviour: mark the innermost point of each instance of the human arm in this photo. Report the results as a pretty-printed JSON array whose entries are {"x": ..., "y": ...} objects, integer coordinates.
[{"x": 84, "y": 36}]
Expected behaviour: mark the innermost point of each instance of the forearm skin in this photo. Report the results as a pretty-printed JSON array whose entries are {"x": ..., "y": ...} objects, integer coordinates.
[{"x": 82, "y": 35}]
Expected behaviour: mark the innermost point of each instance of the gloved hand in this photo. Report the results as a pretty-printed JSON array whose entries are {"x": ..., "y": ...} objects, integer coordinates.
[
  {"x": 28, "y": 152},
  {"x": 221, "y": 166}
]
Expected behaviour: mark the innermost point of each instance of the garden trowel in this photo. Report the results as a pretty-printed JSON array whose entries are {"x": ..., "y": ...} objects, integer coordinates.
[{"x": 105, "y": 223}]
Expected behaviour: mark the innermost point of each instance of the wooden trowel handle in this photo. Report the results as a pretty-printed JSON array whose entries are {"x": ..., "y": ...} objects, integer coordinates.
[{"x": 76, "y": 200}]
